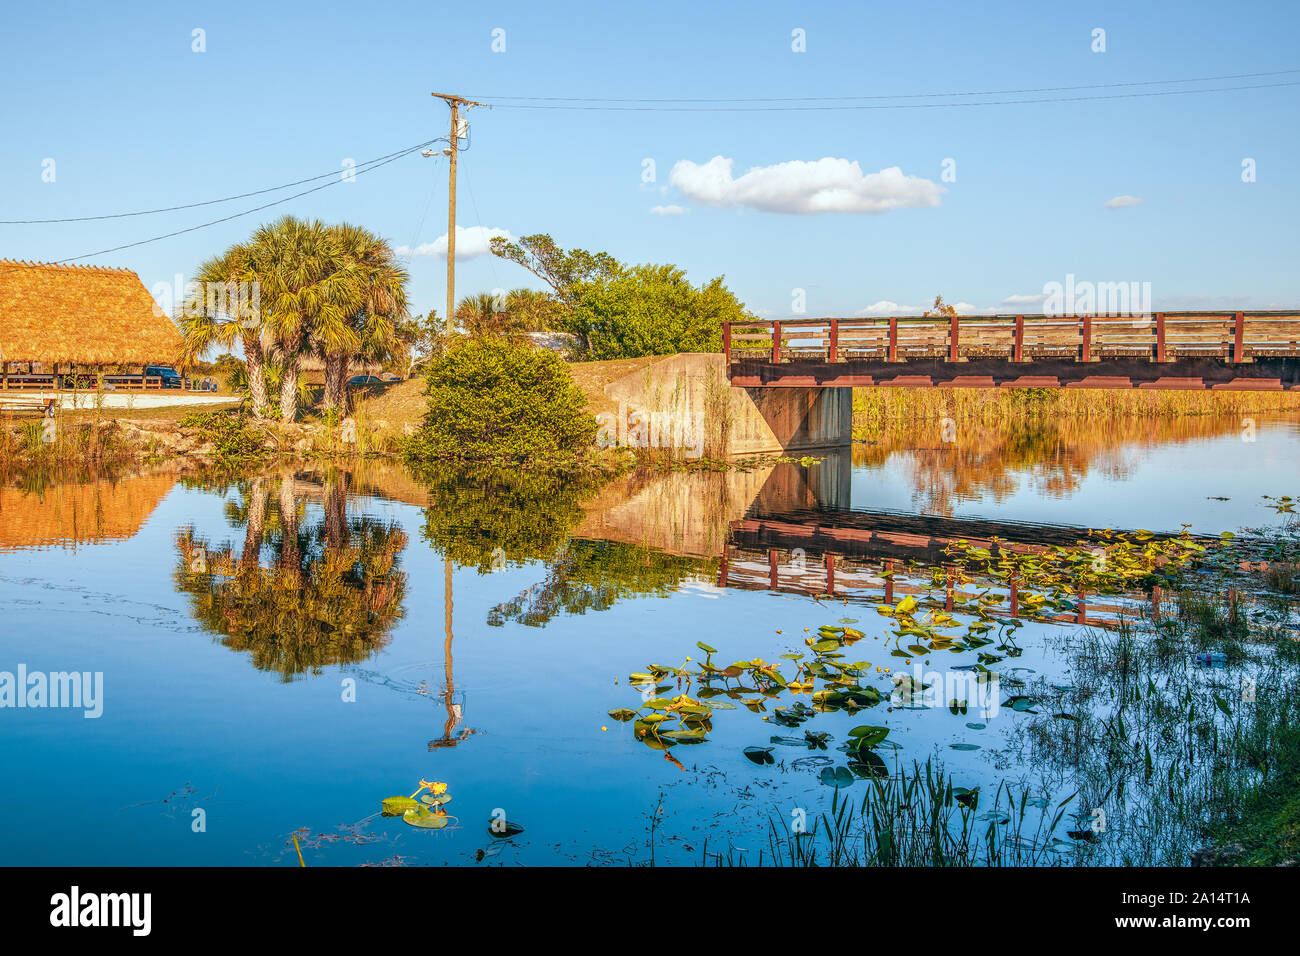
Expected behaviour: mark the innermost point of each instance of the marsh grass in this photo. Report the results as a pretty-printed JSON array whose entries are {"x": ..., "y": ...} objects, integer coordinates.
[
  {"x": 873, "y": 408},
  {"x": 1169, "y": 750},
  {"x": 917, "y": 817},
  {"x": 78, "y": 439}
]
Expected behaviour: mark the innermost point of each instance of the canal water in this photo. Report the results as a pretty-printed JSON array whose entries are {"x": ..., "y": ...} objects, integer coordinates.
[{"x": 477, "y": 631}]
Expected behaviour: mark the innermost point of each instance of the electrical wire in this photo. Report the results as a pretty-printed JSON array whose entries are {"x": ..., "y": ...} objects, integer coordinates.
[
  {"x": 893, "y": 96},
  {"x": 887, "y": 106},
  {"x": 213, "y": 202},
  {"x": 204, "y": 225}
]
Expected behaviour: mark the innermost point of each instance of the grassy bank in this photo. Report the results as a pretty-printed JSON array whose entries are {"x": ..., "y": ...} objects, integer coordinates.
[{"x": 875, "y": 410}]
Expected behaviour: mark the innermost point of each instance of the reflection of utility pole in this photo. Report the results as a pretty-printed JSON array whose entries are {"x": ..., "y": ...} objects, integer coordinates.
[
  {"x": 450, "y": 737},
  {"x": 455, "y": 102}
]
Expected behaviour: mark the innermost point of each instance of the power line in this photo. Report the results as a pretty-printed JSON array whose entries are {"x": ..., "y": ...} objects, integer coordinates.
[
  {"x": 246, "y": 212},
  {"x": 886, "y": 106},
  {"x": 213, "y": 202},
  {"x": 892, "y": 96}
]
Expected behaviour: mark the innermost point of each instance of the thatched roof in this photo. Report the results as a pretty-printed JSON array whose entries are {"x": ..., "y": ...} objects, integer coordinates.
[{"x": 87, "y": 315}]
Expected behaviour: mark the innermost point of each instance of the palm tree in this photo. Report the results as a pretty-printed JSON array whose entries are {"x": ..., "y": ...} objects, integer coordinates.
[
  {"x": 208, "y": 321},
  {"x": 377, "y": 304},
  {"x": 307, "y": 284},
  {"x": 482, "y": 314},
  {"x": 535, "y": 311}
]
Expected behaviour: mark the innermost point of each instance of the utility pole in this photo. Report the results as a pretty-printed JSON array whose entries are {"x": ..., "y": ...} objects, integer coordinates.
[{"x": 455, "y": 102}]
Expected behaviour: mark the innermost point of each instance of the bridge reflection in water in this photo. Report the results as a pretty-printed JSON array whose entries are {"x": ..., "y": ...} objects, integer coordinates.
[{"x": 790, "y": 527}]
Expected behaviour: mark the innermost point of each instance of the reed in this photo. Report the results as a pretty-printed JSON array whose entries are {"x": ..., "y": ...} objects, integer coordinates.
[{"x": 875, "y": 408}]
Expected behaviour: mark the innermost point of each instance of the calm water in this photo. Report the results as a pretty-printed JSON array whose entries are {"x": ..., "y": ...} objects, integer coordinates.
[{"x": 556, "y": 596}]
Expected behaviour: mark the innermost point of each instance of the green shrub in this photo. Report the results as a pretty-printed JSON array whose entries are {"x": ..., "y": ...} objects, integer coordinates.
[
  {"x": 653, "y": 310},
  {"x": 229, "y": 433},
  {"x": 492, "y": 400}
]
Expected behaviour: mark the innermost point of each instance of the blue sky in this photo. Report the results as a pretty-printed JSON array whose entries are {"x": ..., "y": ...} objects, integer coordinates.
[{"x": 134, "y": 119}]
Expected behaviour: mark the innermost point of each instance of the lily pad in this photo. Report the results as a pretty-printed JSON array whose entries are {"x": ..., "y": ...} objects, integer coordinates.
[
  {"x": 837, "y": 777},
  {"x": 760, "y": 755},
  {"x": 425, "y": 819},
  {"x": 395, "y": 806}
]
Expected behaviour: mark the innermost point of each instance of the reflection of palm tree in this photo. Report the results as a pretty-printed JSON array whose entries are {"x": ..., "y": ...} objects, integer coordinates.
[{"x": 331, "y": 596}]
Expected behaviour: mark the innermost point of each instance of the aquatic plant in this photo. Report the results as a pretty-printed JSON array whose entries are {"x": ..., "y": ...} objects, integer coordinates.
[{"x": 426, "y": 812}]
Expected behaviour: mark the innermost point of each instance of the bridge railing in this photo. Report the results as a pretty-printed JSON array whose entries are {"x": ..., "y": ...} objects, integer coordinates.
[{"x": 1236, "y": 337}]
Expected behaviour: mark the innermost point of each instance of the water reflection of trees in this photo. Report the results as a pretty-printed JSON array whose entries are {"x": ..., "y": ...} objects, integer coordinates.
[
  {"x": 1053, "y": 456},
  {"x": 490, "y": 519},
  {"x": 329, "y": 593},
  {"x": 596, "y": 575}
]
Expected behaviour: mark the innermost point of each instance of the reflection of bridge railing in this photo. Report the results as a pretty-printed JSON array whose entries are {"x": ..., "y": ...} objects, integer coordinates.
[
  {"x": 854, "y": 551},
  {"x": 900, "y": 535},
  {"x": 1164, "y": 350},
  {"x": 885, "y": 580}
]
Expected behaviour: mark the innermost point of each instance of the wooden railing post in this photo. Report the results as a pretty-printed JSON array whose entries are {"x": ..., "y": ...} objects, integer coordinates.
[
  {"x": 772, "y": 579},
  {"x": 1018, "y": 349},
  {"x": 893, "y": 338},
  {"x": 1160, "y": 337},
  {"x": 830, "y": 574},
  {"x": 776, "y": 342},
  {"x": 726, "y": 342},
  {"x": 1086, "y": 351},
  {"x": 1238, "y": 337},
  {"x": 953, "y": 354},
  {"x": 833, "y": 353}
]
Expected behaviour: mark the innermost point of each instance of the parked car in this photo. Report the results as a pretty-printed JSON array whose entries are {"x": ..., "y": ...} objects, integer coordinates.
[
  {"x": 361, "y": 381},
  {"x": 170, "y": 377}
]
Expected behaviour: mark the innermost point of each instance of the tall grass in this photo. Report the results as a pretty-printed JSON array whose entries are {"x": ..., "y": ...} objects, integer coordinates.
[
  {"x": 917, "y": 818},
  {"x": 874, "y": 408},
  {"x": 83, "y": 441}
]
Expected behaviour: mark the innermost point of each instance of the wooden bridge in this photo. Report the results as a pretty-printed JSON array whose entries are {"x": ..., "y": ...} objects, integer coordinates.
[{"x": 1167, "y": 350}]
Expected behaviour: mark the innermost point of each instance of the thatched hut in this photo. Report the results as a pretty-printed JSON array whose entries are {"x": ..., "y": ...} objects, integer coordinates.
[{"x": 60, "y": 318}]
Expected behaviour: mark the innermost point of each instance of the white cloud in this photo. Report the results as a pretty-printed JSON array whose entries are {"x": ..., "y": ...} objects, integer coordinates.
[
  {"x": 886, "y": 307},
  {"x": 1033, "y": 299},
  {"x": 804, "y": 188},
  {"x": 964, "y": 308},
  {"x": 1122, "y": 202},
  {"x": 471, "y": 241},
  {"x": 673, "y": 210}
]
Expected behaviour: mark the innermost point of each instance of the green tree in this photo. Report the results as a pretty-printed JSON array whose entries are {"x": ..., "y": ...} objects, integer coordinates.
[
  {"x": 493, "y": 400},
  {"x": 372, "y": 302},
  {"x": 207, "y": 321},
  {"x": 419, "y": 340},
  {"x": 653, "y": 310},
  {"x": 560, "y": 269}
]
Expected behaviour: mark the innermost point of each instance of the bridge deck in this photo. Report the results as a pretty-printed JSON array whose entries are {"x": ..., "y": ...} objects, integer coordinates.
[{"x": 1173, "y": 350}]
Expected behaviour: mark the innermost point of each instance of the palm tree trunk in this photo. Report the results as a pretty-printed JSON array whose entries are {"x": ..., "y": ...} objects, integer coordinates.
[
  {"x": 289, "y": 388},
  {"x": 255, "y": 365},
  {"x": 336, "y": 373}
]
